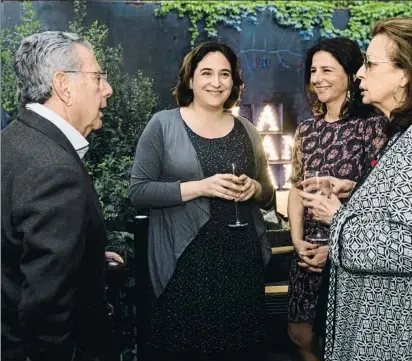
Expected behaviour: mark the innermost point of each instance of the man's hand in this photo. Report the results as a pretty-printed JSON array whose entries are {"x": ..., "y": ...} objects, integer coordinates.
[{"x": 112, "y": 256}]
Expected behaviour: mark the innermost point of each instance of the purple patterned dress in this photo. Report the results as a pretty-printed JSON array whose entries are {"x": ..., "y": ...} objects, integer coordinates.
[{"x": 345, "y": 148}]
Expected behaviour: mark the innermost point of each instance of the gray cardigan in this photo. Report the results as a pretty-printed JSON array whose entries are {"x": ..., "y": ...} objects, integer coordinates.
[{"x": 165, "y": 157}]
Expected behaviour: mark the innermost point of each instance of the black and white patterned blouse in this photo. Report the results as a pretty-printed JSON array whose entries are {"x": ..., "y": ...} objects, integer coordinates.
[{"x": 370, "y": 294}]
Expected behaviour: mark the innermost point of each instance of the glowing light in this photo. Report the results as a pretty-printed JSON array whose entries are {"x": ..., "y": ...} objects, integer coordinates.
[
  {"x": 267, "y": 119},
  {"x": 235, "y": 111},
  {"x": 287, "y": 146},
  {"x": 287, "y": 172},
  {"x": 269, "y": 148},
  {"x": 272, "y": 177}
]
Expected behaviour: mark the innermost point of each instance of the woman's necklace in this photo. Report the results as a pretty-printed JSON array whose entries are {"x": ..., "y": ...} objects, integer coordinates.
[{"x": 330, "y": 118}]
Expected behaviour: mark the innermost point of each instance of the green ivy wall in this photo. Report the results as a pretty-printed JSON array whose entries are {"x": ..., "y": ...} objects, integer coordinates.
[{"x": 305, "y": 16}]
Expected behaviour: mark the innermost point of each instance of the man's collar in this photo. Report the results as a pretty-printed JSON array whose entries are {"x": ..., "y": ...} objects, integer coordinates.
[{"x": 79, "y": 143}]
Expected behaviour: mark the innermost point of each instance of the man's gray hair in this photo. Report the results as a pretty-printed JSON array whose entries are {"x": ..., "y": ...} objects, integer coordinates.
[{"x": 39, "y": 57}]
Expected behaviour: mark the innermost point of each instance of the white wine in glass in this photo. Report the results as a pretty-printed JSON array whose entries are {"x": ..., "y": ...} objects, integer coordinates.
[{"x": 319, "y": 184}]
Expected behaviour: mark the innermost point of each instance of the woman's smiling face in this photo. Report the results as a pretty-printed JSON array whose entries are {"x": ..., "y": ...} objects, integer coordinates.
[
  {"x": 328, "y": 78},
  {"x": 212, "y": 80}
]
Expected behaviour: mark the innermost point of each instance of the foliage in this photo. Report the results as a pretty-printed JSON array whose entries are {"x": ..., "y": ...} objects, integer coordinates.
[
  {"x": 110, "y": 157},
  {"x": 305, "y": 16},
  {"x": 10, "y": 40},
  {"x": 121, "y": 293}
]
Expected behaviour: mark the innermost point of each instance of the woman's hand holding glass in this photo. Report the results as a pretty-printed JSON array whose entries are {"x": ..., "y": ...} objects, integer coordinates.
[
  {"x": 313, "y": 258},
  {"x": 342, "y": 188},
  {"x": 317, "y": 183},
  {"x": 308, "y": 254},
  {"x": 323, "y": 206},
  {"x": 226, "y": 186},
  {"x": 320, "y": 208},
  {"x": 250, "y": 187},
  {"x": 231, "y": 187}
]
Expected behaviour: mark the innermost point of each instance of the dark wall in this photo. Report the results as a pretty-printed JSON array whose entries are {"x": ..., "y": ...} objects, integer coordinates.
[{"x": 271, "y": 56}]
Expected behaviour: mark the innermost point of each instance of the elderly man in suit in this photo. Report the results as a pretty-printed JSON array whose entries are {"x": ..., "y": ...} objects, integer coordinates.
[{"x": 52, "y": 233}]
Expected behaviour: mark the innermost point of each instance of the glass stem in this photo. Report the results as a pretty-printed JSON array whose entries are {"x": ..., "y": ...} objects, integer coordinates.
[
  {"x": 318, "y": 227},
  {"x": 237, "y": 213}
]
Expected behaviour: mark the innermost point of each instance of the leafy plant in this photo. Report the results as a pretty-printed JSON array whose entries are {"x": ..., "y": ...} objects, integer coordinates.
[
  {"x": 10, "y": 40},
  {"x": 109, "y": 158},
  {"x": 129, "y": 109},
  {"x": 305, "y": 16}
]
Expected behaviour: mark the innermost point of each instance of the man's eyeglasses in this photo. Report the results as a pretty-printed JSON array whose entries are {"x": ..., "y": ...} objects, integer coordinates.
[
  {"x": 368, "y": 63},
  {"x": 101, "y": 74}
]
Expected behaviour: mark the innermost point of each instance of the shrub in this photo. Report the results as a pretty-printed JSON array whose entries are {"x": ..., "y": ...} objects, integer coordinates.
[{"x": 111, "y": 151}]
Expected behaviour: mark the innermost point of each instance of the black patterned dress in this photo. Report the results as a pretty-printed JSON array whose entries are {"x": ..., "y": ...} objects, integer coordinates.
[
  {"x": 213, "y": 308},
  {"x": 345, "y": 149}
]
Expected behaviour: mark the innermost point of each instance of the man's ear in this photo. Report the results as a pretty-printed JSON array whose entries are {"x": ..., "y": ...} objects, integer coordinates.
[{"x": 62, "y": 87}]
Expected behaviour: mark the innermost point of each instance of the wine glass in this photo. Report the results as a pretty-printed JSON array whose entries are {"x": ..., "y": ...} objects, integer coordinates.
[
  {"x": 319, "y": 184},
  {"x": 238, "y": 223}
]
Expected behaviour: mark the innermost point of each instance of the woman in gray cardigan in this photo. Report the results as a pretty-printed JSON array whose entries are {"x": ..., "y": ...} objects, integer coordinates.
[{"x": 207, "y": 278}]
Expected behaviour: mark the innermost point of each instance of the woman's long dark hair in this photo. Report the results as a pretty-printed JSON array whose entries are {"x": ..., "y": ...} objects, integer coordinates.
[{"x": 348, "y": 55}]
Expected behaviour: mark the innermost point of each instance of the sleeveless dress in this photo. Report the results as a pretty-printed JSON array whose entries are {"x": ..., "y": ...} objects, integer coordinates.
[{"x": 213, "y": 308}]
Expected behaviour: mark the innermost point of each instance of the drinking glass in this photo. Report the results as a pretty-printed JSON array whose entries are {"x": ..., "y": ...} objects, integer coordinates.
[
  {"x": 238, "y": 223},
  {"x": 319, "y": 184}
]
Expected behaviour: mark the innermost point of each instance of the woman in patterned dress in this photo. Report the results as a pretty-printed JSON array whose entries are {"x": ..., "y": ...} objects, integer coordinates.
[
  {"x": 370, "y": 297},
  {"x": 341, "y": 138},
  {"x": 207, "y": 277}
]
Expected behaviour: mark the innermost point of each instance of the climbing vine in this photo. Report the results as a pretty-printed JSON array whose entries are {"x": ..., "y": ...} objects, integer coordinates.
[{"x": 305, "y": 16}]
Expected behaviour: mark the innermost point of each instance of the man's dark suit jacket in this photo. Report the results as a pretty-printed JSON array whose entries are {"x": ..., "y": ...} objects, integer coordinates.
[{"x": 52, "y": 247}]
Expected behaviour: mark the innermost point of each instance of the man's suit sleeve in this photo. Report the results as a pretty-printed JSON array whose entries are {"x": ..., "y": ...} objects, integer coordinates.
[{"x": 50, "y": 212}]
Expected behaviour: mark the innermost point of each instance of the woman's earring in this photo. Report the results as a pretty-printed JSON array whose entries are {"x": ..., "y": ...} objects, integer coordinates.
[
  {"x": 348, "y": 96},
  {"x": 394, "y": 94}
]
